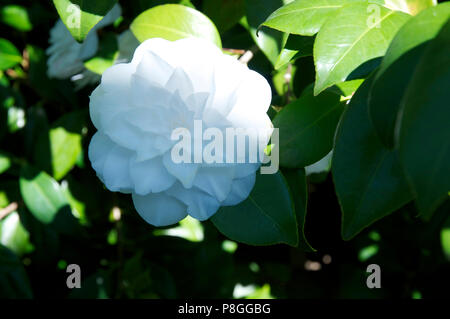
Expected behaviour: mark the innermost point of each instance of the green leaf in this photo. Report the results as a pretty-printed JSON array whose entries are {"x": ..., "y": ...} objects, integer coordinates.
[
  {"x": 80, "y": 16},
  {"x": 16, "y": 17},
  {"x": 65, "y": 148},
  {"x": 306, "y": 128},
  {"x": 266, "y": 217},
  {"x": 424, "y": 131},
  {"x": 9, "y": 55},
  {"x": 409, "y": 6},
  {"x": 13, "y": 278},
  {"x": 304, "y": 17},
  {"x": 173, "y": 22},
  {"x": 296, "y": 179},
  {"x": 57, "y": 149},
  {"x": 42, "y": 195},
  {"x": 368, "y": 178},
  {"x": 224, "y": 13},
  {"x": 352, "y": 37},
  {"x": 105, "y": 56},
  {"x": 398, "y": 66},
  {"x": 295, "y": 47},
  {"x": 269, "y": 41},
  {"x": 13, "y": 235},
  {"x": 5, "y": 162},
  {"x": 78, "y": 206},
  {"x": 346, "y": 89}
]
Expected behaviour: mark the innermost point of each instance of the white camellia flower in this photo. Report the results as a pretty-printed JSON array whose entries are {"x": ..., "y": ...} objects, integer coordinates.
[
  {"x": 167, "y": 86},
  {"x": 66, "y": 55}
]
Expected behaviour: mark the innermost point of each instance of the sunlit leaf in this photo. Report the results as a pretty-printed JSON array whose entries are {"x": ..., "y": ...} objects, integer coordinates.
[
  {"x": 9, "y": 55},
  {"x": 173, "y": 22},
  {"x": 353, "y": 36},
  {"x": 42, "y": 194}
]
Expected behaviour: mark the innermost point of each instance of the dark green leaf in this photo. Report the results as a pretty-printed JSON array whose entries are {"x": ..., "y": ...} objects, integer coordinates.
[
  {"x": 424, "y": 131},
  {"x": 398, "y": 66},
  {"x": 266, "y": 217},
  {"x": 14, "y": 282},
  {"x": 54, "y": 90},
  {"x": 296, "y": 179},
  {"x": 368, "y": 178},
  {"x": 269, "y": 41},
  {"x": 306, "y": 128},
  {"x": 224, "y": 13}
]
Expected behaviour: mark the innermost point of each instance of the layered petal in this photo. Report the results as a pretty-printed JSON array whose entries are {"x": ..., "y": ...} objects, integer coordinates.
[
  {"x": 159, "y": 209},
  {"x": 200, "y": 204}
]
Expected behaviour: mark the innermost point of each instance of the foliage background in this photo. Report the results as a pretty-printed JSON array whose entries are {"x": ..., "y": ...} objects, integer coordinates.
[{"x": 123, "y": 257}]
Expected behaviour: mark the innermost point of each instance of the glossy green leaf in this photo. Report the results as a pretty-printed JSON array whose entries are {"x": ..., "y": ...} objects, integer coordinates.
[
  {"x": 352, "y": 37},
  {"x": 42, "y": 195},
  {"x": 398, "y": 66},
  {"x": 409, "y": 6},
  {"x": 105, "y": 56},
  {"x": 296, "y": 179},
  {"x": 368, "y": 178},
  {"x": 304, "y": 17},
  {"x": 14, "y": 282},
  {"x": 269, "y": 41},
  {"x": 16, "y": 17},
  {"x": 9, "y": 55},
  {"x": 173, "y": 22},
  {"x": 306, "y": 128},
  {"x": 80, "y": 16},
  {"x": 424, "y": 131},
  {"x": 266, "y": 217}
]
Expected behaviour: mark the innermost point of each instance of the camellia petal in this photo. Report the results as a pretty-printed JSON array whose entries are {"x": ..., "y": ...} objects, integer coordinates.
[
  {"x": 240, "y": 190},
  {"x": 200, "y": 204},
  {"x": 150, "y": 176},
  {"x": 159, "y": 209}
]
